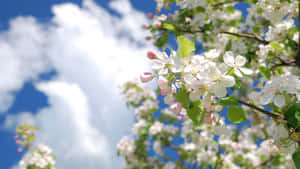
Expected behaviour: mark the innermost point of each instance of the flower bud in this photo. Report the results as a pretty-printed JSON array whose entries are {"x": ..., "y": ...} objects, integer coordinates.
[
  {"x": 150, "y": 15},
  {"x": 157, "y": 12},
  {"x": 158, "y": 24},
  {"x": 146, "y": 77},
  {"x": 151, "y": 55},
  {"x": 164, "y": 92},
  {"x": 19, "y": 150},
  {"x": 162, "y": 82},
  {"x": 166, "y": 5},
  {"x": 148, "y": 38},
  {"x": 145, "y": 27},
  {"x": 18, "y": 142},
  {"x": 176, "y": 108},
  {"x": 170, "y": 16}
]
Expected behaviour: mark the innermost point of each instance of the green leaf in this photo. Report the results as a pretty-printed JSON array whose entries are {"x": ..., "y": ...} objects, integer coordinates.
[
  {"x": 169, "y": 27},
  {"x": 229, "y": 9},
  {"x": 185, "y": 46},
  {"x": 196, "y": 112},
  {"x": 276, "y": 46},
  {"x": 162, "y": 40},
  {"x": 266, "y": 72},
  {"x": 230, "y": 100},
  {"x": 292, "y": 115},
  {"x": 296, "y": 158},
  {"x": 236, "y": 114},
  {"x": 182, "y": 96}
]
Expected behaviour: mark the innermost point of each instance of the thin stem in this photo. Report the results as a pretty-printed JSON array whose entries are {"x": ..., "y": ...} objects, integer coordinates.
[
  {"x": 275, "y": 116},
  {"x": 226, "y": 2},
  {"x": 243, "y": 35},
  {"x": 247, "y": 35}
]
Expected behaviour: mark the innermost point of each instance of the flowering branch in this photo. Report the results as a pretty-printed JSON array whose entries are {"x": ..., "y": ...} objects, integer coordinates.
[
  {"x": 248, "y": 35},
  {"x": 226, "y": 2},
  {"x": 275, "y": 116},
  {"x": 242, "y": 35}
]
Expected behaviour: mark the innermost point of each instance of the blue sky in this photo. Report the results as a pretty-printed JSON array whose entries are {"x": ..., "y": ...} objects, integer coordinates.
[{"x": 27, "y": 97}]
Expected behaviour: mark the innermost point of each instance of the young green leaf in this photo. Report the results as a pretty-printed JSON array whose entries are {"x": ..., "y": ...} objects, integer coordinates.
[
  {"x": 230, "y": 100},
  {"x": 276, "y": 46},
  {"x": 185, "y": 46},
  {"x": 296, "y": 158},
  {"x": 236, "y": 114},
  {"x": 265, "y": 72},
  {"x": 292, "y": 115}
]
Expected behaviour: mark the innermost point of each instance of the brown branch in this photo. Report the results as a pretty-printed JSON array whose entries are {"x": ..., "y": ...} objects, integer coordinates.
[
  {"x": 226, "y": 2},
  {"x": 243, "y": 35},
  {"x": 283, "y": 63},
  {"x": 247, "y": 35},
  {"x": 275, "y": 116}
]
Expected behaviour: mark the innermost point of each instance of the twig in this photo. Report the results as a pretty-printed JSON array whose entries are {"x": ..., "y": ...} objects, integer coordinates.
[
  {"x": 226, "y": 2},
  {"x": 247, "y": 35},
  {"x": 275, "y": 116}
]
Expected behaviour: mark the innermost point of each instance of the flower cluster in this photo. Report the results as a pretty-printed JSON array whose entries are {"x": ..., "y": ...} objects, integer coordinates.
[
  {"x": 36, "y": 158},
  {"x": 40, "y": 158},
  {"x": 248, "y": 73}
]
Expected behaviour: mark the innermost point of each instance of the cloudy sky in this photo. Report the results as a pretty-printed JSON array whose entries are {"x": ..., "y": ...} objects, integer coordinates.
[{"x": 60, "y": 65}]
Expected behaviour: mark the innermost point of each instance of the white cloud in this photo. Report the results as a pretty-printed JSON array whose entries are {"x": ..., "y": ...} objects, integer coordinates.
[
  {"x": 22, "y": 57},
  {"x": 92, "y": 51}
]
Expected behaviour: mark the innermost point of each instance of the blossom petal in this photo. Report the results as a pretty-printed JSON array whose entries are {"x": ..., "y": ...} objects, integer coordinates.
[
  {"x": 227, "y": 81},
  {"x": 240, "y": 60},
  {"x": 238, "y": 73},
  {"x": 266, "y": 97},
  {"x": 246, "y": 71},
  {"x": 220, "y": 91},
  {"x": 228, "y": 58},
  {"x": 279, "y": 100}
]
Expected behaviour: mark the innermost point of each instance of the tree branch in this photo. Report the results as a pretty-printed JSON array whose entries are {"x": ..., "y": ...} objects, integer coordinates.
[
  {"x": 248, "y": 35},
  {"x": 275, "y": 116},
  {"x": 226, "y": 2},
  {"x": 243, "y": 35}
]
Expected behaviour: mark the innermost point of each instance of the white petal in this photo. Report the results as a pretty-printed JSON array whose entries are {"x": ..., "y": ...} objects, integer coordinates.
[
  {"x": 238, "y": 73},
  {"x": 228, "y": 58},
  {"x": 279, "y": 100},
  {"x": 266, "y": 97},
  {"x": 194, "y": 96},
  {"x": 220, "y": 90},
  {"x": 246, "y": 71},
  {"x": 227, "y": 81},
  {"x": 240, "y": 60}
]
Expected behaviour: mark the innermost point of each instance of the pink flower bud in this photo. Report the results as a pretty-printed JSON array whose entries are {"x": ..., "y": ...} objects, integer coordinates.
[
  {"x": 148, "y": 38},
  {"x": 179, "y": 118},
  {"x": 150, "y": 15},
  {"x": 162, "y": 82},
  {"x": 176, "y": 108},
  {"x": 166, "y": 5},
  {"x": 164, "y": 92},
  {"x": 158, "y": 24},
  {"x": 146, "y": 77},
  {"x": 19, "y": 150},
  {"x": 16, "y": 137},
  {"x": 151, "y": 55},
  {"x": 18, "y": 142},
  {"x": 157, "y": 12},
  {"x": 170, "y": 16},
  {"x": 145, "y": 27}
]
